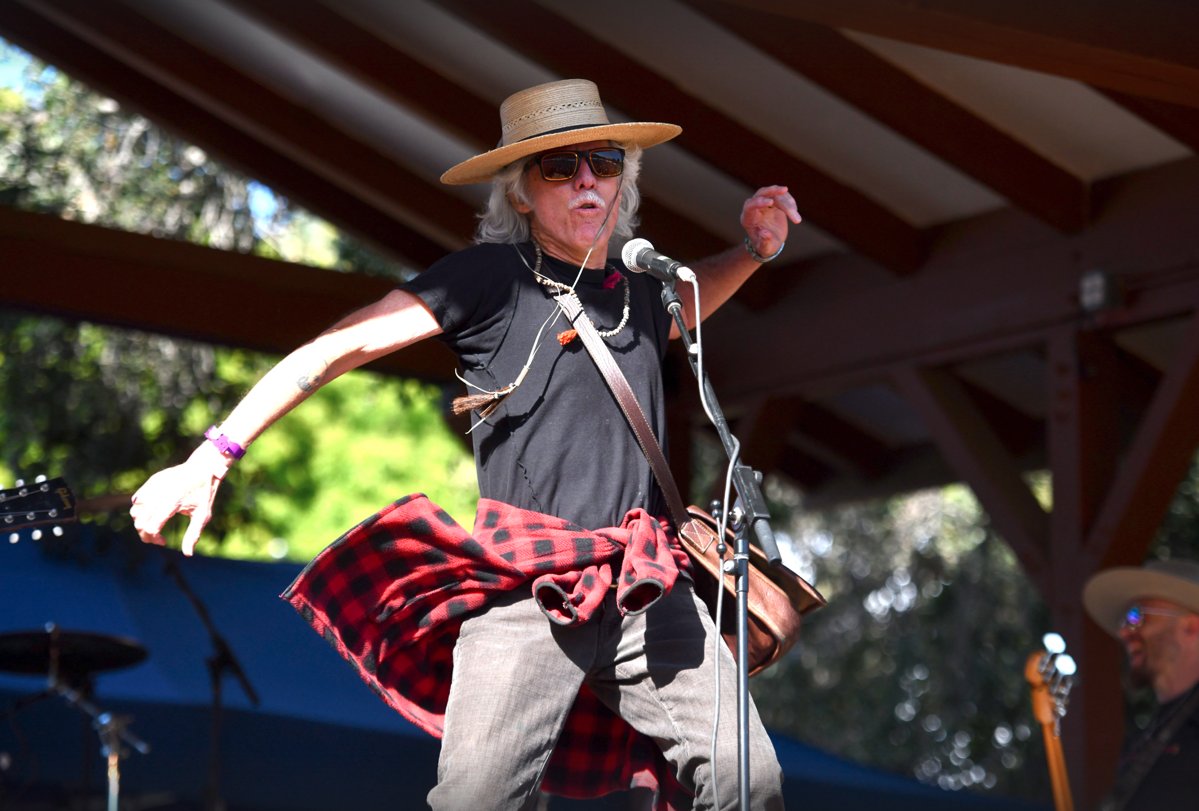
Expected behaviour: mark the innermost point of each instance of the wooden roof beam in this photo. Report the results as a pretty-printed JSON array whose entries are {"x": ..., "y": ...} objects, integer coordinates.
[
  {"x": 845, "y": 213},
  {"x": 250, "y": 154},
  {"x": 904, "y": 104},
  {"x": 1018, "y": 432},
  {"x": 1179, "y": 122},
  {"x": 1030, "y": 284},
  {"x": 974, "y": 450},
  {"x": 245, "y": 103},
  {"x": 375, "y": 62},
  {"x": 85, "y": 273},
  {"x": 1144, "y": 48},
  {"x": 327, "y": 32},
  {"x": 1154, "y": 464},
  {"x": 855, "y": 451}
]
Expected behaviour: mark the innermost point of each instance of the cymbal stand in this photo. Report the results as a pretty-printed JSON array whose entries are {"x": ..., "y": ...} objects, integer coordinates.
[{"x": 113, "y": 730}]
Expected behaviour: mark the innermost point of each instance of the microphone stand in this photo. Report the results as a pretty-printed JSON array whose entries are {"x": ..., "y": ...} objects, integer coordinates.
[
  {"x": 221, "y": 660},
  {"x": 751, "y": 511}
]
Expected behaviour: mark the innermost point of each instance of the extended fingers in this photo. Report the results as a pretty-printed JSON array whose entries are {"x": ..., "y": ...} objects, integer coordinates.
[
  {"x": 194, "y": 527},
  {"x": 772, "y": 197},
  {"x": 160, "y": 499}
]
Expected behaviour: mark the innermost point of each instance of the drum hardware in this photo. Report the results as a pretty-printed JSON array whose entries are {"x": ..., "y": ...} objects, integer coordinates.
[{"x": 70, "y": 659}]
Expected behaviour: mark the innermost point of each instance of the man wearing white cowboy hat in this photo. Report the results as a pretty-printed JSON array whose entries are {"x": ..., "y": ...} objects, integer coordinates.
[
  {"x": 610, "y": 683},
  {"x": 1154, "y": 612}
]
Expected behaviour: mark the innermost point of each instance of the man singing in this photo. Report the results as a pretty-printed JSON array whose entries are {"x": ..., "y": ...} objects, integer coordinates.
[{"x": 559, "y": 645}]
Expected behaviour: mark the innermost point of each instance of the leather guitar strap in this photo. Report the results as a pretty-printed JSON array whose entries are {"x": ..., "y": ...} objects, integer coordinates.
[
  {"x": 627, "y": 401},
  {"x": 1147, "y": 753}
]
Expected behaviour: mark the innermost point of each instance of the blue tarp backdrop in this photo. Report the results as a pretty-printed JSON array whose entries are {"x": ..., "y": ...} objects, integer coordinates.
[{"x": 319, "y": 738}]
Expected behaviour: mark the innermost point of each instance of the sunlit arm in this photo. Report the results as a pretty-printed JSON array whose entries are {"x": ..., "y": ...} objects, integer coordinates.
[
  {"x": 766, "y": 217},
  {"x": 395, "y": 321}
]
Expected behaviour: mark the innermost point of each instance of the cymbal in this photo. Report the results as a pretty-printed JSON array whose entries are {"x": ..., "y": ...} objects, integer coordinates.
[{"x": 80, "y": 653}]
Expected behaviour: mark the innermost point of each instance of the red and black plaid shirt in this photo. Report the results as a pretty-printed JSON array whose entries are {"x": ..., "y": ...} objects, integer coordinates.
[{"x": 391, "y": 594}]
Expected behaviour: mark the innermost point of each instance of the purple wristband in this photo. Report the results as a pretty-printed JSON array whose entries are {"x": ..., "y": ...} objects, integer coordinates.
[{"x": 224, "y": 444}]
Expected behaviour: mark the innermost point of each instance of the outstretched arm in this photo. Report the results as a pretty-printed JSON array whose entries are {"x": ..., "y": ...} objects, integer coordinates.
[
  {"x": 393, "y": 322},
  {"x": 766, "y": 218}
]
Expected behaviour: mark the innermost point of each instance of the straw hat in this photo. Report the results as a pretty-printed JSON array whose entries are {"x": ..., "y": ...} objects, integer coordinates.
[
  {"x": 1108, "y": 594},
  {"x": 552, "y": 115}
]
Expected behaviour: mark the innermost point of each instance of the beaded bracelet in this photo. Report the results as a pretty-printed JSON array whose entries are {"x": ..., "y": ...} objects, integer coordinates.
[
  {"x": 224, "y": 444},
  {"x": 757, "y": 257}
]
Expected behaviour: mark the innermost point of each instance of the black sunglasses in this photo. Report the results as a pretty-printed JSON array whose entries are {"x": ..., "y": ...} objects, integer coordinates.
[
  {"x": 556, "y": 167},
  {"x": 1134, "y": 617}
]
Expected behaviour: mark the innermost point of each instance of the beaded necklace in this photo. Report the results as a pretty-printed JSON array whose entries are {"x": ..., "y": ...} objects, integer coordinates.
[{"x": 567, "y": 336}]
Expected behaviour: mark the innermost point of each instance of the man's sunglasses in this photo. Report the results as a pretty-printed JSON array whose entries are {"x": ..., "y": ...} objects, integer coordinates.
[
  {"x": 1134, "y": 617},
  {"x": 560, "y": 166}
]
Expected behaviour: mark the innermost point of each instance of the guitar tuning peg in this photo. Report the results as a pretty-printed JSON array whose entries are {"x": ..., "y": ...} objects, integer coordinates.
[
  {"x": 39, "y": 479},
  {"x": 1054, "y": 643},
  {"x": 14, "y": 537},
  {"x": 57, "y": 531},
  {"x": 19, "y": 483},
  {"x": 36, "y": 535}
]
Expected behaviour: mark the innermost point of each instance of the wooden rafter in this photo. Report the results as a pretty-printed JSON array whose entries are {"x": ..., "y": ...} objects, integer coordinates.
[
  {"x": 1145, "y": 49},
  {"x": 327, "y": 32},
  {"x": 1156, "y": 461},
  {"x": 238, "y": 98},
  {"x": 838, "y": 209},
  {"x": 850, "y": 449},
  {"x": 84, "y": 272},
  {"x": 1179, "y": 122},
  {"x": 903, "y": 103},
  {"x": 1019, "y": 432},
  {"x": 1027, "y": 277},
  {"x": 980, "y": 459},
  {"x": 244, "y": 150},
  {"x": 363, "y": 54},
  {"x": 1090, "y": 383}
]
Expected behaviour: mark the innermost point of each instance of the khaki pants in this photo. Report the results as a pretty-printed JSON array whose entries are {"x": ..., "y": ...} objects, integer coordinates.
[{"x": 516, "y": 675}]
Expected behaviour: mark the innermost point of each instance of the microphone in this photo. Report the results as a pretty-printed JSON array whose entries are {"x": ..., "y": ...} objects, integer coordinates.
[{"x": 639, "y": 256}]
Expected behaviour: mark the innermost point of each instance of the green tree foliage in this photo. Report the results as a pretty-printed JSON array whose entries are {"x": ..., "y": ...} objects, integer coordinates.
[
  {"x": 67, "y": 151},
  {"x": 898, "y": 670},
  {"x": 917, "y": 663},
  {"x": 1179, "y": 533},
  {"x": 103, "y": 406},
  {"x": 358, "y": 443},
  {"x": 107, "y": 407},
  {"x": 915, "y": 666}
]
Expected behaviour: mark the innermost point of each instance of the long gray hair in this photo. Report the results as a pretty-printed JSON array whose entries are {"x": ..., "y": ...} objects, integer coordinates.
[{"x": 501, "y": 222}]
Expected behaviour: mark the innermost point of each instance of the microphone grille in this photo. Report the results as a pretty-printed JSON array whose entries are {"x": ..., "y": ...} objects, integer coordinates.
[{"x": 631, "y": 249}]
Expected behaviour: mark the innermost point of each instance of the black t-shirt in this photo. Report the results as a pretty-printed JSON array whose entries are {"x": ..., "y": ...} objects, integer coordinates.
[
  {"x": 1172, "y": 784},
  {"x": 559, "y": 444}
]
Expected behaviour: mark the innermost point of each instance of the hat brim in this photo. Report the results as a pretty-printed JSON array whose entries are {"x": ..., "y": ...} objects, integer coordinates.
[
  {"x": 1109, "y": 593},
  {"x": 482, "y": 168}
]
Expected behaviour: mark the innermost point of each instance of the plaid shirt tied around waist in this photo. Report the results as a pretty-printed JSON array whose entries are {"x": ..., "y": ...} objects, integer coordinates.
[{"x": 391, "y": 595}]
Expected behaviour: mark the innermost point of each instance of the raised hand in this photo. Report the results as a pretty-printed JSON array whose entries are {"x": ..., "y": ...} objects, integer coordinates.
[
  {"x": 186, "y": 489},
  {"x": 766, "y": 218}
]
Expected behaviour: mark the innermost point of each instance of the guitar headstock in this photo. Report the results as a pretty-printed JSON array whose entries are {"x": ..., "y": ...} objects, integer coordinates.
[
  {"x": 1051, "y": 673},
  {"x": 45, "y": 502}
]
